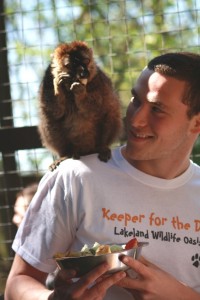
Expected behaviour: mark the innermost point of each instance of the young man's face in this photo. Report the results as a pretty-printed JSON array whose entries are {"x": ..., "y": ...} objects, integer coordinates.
[{"x": 157, "y": 124}]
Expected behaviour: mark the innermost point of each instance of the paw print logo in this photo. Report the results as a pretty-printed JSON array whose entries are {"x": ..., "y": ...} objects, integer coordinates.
[{"x": 196, "y": 260}]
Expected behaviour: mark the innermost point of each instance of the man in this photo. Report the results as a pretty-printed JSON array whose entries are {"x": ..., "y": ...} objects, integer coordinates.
[{"x": 149, "y": 189}]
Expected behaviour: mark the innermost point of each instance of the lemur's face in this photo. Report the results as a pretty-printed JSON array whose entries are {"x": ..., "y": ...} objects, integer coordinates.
[{"x": 77, "y": 66}]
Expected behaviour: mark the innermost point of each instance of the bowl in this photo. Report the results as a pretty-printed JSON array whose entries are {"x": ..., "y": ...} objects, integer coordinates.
[{"x": 84, "y": 264}]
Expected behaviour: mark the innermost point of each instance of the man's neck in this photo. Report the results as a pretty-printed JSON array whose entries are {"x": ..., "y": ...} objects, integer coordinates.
[{"x": 160, "y": 168}]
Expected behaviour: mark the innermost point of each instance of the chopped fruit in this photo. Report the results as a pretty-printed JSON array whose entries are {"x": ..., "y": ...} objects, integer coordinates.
[{"x": 131, "y": 244}]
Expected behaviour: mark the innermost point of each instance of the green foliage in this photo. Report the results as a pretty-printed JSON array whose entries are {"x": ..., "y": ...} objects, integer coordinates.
[{"x": 124, "y": 35}]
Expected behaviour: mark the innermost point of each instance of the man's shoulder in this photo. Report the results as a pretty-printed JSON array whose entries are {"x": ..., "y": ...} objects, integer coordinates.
[
  {"x": 72, "y": 163},
  {"x": 71, "y": 166},
  {"x": 86, "y": 161},
  {"x": 88, "y": 164}
]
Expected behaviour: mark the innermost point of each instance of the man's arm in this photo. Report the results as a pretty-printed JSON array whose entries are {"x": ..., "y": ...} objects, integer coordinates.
[{"x": 26, "y": 282}]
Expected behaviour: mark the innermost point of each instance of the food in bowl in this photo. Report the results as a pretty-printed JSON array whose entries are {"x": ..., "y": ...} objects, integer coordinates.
[
  {"x": 88, "y": 258},
  {"x": 98, "y": 249}
]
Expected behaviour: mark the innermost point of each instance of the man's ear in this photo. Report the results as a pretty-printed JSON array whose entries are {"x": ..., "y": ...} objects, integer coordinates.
[{"x": 196, "y": 124}]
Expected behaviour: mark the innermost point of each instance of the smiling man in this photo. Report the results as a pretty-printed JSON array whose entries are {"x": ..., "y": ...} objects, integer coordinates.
[
  {"x": 157, "y": 126},
  {"x": 149, "y": 189}
]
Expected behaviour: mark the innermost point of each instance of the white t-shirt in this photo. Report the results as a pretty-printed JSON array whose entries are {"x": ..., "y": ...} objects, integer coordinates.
[{"x": 86, "y": 200}]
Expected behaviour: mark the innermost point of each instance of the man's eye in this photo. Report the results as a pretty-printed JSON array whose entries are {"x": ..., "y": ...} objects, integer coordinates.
[{"x": 156, "y": 109}]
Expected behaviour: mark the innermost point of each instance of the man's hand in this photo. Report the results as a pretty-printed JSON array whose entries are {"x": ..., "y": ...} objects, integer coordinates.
[
  {"x": 152, "y": 283},
  {"x": 91, "y": 286}
]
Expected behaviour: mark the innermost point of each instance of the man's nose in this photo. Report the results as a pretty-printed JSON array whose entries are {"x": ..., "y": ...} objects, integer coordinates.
[{"x": 140, "y": 116}]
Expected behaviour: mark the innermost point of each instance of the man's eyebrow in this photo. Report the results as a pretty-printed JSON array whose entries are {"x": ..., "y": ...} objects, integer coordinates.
[
  {"x": 154, "y": 99},
  {"x": 157, "y": 104},
  {"x": 154, "y": 102}
]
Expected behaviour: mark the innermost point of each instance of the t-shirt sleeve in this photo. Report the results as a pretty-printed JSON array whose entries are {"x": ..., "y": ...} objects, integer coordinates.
[{"x": 48, "y": 226}]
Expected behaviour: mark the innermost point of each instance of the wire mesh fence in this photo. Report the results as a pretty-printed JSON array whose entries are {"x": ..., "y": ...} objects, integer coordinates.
[{"x": 124, "y": 35}]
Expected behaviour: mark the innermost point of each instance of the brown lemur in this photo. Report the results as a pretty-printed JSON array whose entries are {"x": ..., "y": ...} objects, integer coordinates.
[{"x": 80, "y": 112}]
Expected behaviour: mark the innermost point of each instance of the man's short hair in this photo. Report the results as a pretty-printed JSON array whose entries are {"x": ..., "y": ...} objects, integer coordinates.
[{"x": 182, "y": 66}]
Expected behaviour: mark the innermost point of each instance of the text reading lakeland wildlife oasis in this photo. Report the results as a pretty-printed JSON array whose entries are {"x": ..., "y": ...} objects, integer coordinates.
[{"x": 156, "y": 235}]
